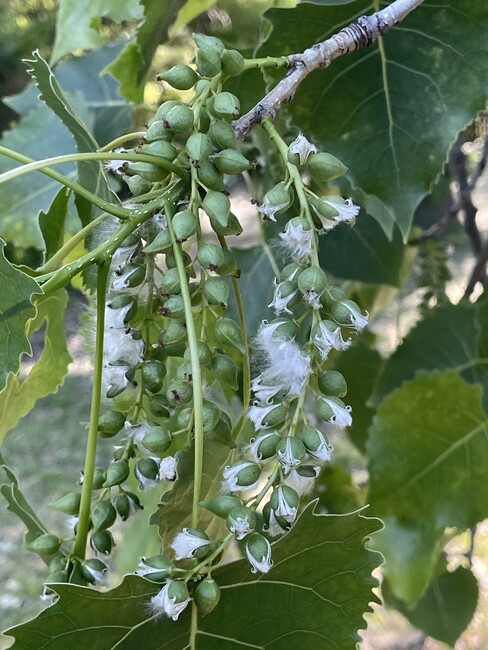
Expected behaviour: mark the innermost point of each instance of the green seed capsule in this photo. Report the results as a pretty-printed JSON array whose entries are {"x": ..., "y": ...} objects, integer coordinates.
[
  {"x": 110, "y": 423},
  {"x": 99, "y": 477},
  {"x": 161, "y": 243},
  {"x": 211, "y": 415},
  {"x": 153, "y": 373},
  {"x": 325, "y": 167},
  {"x": 156, "y": 132},
  {"x": 156, "y": 568},
  {"x": 208, "y": 63},
  {"x": 230, "y": 161},
  {"x": 222, "y": 432},
  {"x": 264, "y": 446},
  {"x": 198, "y": 147},
  {"x": 222, "y": 504},
  {"x": 187, "y": 261},
  {"x": 241, "y": 521},
  {"x": 224, "y": 369},
  {"x": 148, "y": 468},
  {"x": 290, "y": 451},
  {"x": 94, "y": 570},
  {"x": 222, "y": 135},
  {"x": 184, "y": 370},
  {"x": 217, "y": 205},
  {"x": 117, "y": 473},
  {"x": 170, "y": 282},
  {"x": 276, "y": 416},
  {"x": 206, "y": 43},
  {"x": 210, "y": 176},
  {"x": 102, "y": 541},
  {"x": 45, "y": 544},
  {"x": 216, "y": 291},
  {"x": 204, "y": 353},
  {"x": 333, "y": 383},
  {"x": 179, "y": 392},
  {"x": 184, "y": 418},
  {"x": 185, "y": 225},
  {"x": 69, "y": 504},
  {"x": 278, "y": 199},
  {"x": 228, "y": 332},
  {"x": 174, "y": 307},
  {"x": 157, "y": 440},
  {"x": 150, "y": 172},
  {"x": 164, "y": 109},
  {"x": 232, "y": 63},
  {"x": 210, "y": 256},
  {"x": 229, "y": 267},
  {"x": 226, "y": 226},
  {"x": 179, "y": 119},
  {"x": 103, "y": 515},
  {"x": 161, "y": 149},
  {"x": 312, "y": 279},
  {"x": 174, "y": 333},
  {"x": 137, "y": 184},
  {"x": 226, "y": 106},
  {"x": 206, "y": 596},
  {"x": 180, "y": 76},
  {"x": 158, "y": 405}
]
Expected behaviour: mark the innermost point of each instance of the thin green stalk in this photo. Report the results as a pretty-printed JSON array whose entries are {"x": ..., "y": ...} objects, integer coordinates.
[
  {"x": 282, "y": 147},
  {"x": 65, "y": 250},
  {"x": 40, "y": 165},
  {"x": 211, "y": 557},
  {"x": 73, "y": 185},
  {"x": 79, "y": 547},
  {"x": 122, "y": 140},
  {"x": 53, "y": 281},
  {"x": 195, "y": 369}
]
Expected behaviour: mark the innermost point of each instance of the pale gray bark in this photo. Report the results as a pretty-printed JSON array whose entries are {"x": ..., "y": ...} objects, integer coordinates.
[{"x": 361, "y": 33}]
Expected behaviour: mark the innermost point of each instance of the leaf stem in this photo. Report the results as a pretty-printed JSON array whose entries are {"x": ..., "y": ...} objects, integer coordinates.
[
  {"x": 267, "y": 62},
  {"x": 122, "y": 140},
  {"x": 195, "y": 369},
  {"x": 39, "y": 165},
  {"x": 79, "y": 547}
]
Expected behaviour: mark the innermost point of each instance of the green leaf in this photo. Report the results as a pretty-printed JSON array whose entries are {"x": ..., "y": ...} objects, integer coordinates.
[
  {"x": 360, "y": 366},
  {"x": 428, "y": 451},
  {"x": 337, "y": 493},
  {"x": 447, "y": 607},
  {"x": 411, "y": 552},
  {"x": 256, "y": 284},
  {"x": 446, "y": 338},
  {"x": 90, "y": 173},
  {"x": 47, "y": 374},
  {"x": 94, "y": 93},
  {"x": 174, "y": 510},
  {"x": 190, "y": 10},
  {"x": 316, "y": 593},
  {"x": 17, "y": 503},
  {"x": 132, "y": 66},
  {"x": 38, "y": 135},
  {"x": 392, "y": 109},
  {"x": 52, "y": 222},
  {"x": 17, "y": 310},
  {"x": 78, "y": 23},
  {"x": 363, "y": 253}
]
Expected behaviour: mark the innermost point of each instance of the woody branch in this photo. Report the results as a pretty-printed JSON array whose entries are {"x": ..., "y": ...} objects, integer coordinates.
[{"x": 360, "y": 33}]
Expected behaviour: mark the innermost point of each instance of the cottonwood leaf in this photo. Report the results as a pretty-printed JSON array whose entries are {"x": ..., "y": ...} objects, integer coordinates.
[
  {"x": 47, "y": 374},
  {"x": 256, "y": 284},
  {"x": 53, "y": 221},
  {"x": 38, "y": 135},
  {"x": 78, "y": 23},
  {"x": 390, "y": 111},
  {"x": 428, "y": 451},
  {"x": 17, "y": 503},
  {"x": 411, "y": 550},
  {"x": 449, "y": 336},
  {"x": 17, "y": 310},
  {"x": 316, "y": 594},
  {"x": 132, "y": 66},
  {"x": 360, "y": 366},
  {"x": 446, "y": 608}
]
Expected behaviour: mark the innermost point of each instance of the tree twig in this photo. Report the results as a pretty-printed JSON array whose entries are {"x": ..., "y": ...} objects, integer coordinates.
[{"x": 360, "y": 33}]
